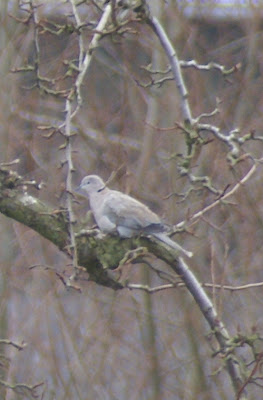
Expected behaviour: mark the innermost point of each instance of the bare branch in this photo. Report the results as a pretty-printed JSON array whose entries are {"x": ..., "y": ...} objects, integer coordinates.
[
  {"x": 214, "y": 322},
  {"x": 23, "y": 389},
  {"x": 223, "y": 198},
  {"x": 84, "y": 65},
  {"x": 18, "y": 346},
  {"x": 212, "y": 65},
  {"x": 175, "y": 66}
]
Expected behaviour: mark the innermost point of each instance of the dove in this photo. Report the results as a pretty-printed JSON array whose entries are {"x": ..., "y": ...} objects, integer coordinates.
[{"x": 115, "y": 211}]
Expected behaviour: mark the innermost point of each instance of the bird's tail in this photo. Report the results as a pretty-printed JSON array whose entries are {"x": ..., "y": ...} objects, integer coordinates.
[{"x": 165, "y": 239}]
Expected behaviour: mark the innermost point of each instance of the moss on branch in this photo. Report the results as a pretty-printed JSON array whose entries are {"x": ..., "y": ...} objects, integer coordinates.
[{"x": 97, "y": 253}]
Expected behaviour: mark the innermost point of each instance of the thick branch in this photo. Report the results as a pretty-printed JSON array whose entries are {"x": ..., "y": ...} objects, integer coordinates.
[
  {"x": 17, "y": 204},
  {"x": 217, "y": 326},
  {"x": 52, "y": 224},
  {"x": 100, "y": 254}
]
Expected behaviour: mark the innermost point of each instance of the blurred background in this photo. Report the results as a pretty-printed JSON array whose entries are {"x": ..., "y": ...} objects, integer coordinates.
[{"x": 102, "y": 344}]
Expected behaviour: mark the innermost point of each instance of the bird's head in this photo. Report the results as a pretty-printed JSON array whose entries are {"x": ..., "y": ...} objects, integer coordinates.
[{"x": 90, "y": 184}]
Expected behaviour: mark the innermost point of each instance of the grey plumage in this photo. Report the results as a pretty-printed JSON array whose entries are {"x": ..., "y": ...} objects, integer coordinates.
[{"x": 115, "y": 211}]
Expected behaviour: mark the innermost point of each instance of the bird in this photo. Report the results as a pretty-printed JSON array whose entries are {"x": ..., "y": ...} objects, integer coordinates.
[{"x": 115, "y": 211}]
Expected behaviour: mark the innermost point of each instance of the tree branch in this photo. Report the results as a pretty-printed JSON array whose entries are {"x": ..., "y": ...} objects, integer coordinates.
[
  {"x": 51, "y": 224},
  {"x": 99, "y": 254}
]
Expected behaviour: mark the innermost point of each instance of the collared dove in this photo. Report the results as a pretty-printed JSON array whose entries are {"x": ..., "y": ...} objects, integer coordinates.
[{"x": 115, "y": 211}]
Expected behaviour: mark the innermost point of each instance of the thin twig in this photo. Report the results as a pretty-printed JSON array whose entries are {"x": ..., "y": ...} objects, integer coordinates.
[
  {"x": 84, "y": 63},
  {"x": 182, "y": 285},
  {"x": 70, "y": 170},
  {"x": 223, "y": 198}
]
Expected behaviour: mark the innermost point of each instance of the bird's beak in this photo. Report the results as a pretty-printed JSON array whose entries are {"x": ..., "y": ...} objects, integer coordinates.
[{"x": 79, "y": 190}]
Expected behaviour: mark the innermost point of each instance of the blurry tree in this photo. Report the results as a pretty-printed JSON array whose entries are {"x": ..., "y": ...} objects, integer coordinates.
[{"x": 96, "y": 87}]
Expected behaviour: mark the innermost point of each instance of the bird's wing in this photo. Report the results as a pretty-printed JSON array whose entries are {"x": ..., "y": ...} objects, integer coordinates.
[{"x": 125, "y": 211}]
